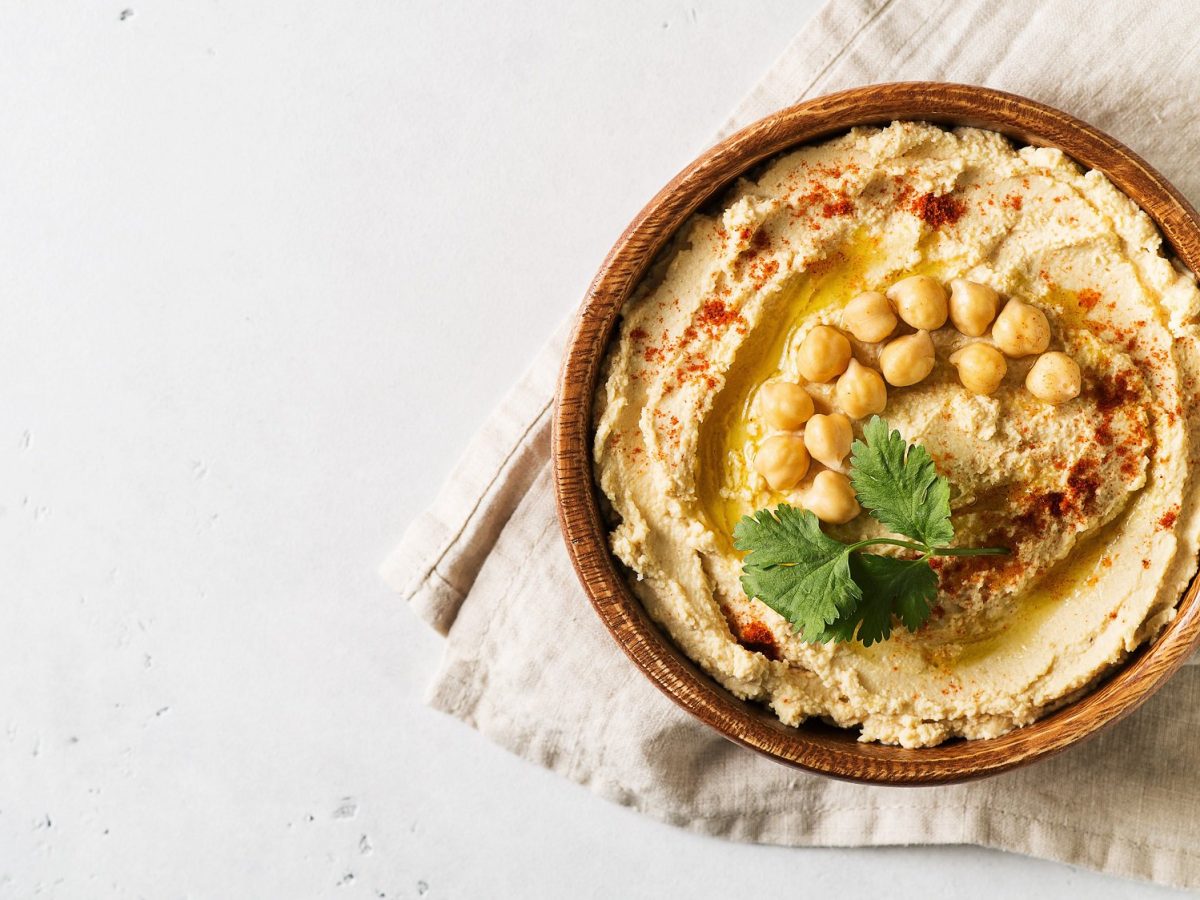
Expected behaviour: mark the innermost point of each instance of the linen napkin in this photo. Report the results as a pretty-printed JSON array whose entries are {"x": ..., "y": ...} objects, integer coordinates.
[{"x": 486, "y": 565}]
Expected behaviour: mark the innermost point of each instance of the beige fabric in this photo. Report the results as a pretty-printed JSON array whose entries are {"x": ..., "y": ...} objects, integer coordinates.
[{"x": 528, "y": 663}]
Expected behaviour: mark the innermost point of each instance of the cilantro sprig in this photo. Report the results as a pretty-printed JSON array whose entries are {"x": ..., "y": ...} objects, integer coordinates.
[{"x": 831, "y": 591}]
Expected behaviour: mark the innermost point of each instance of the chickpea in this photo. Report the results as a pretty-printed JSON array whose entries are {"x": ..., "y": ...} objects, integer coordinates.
[
  {"x": 972, "y": 306},
  {"x": 1021, "y": 329},
  {"x": 869, "y": 317},
  {"x": 920, "y": 301},
  {"x": 908, "y": 359},
  {"x": 782, "y": 460},
  {"x": 1055, "y": 378},
  {"x": 981, "y": 367},
  {"x": 828, "y": 438},
  {"x": 824, "y": 354},
  {"x": 861, "y": 391},
  {"x": 785, "y": 406},
  {"x": 831, "y": 498}
]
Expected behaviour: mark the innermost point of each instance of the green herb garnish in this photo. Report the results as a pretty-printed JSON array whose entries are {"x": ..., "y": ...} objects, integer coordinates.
[{"x": 832, "y": 591}]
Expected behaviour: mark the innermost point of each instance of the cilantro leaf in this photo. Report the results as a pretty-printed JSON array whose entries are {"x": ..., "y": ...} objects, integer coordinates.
[
  {"x": 900, "y": 485},
  {"x": 841, "y": 631},
  {"x": 832, "y": 591},
  {"x": 795, "y": 568},
  {"x": 890, "y": 586},
  {"x": 906, "y": 588}
]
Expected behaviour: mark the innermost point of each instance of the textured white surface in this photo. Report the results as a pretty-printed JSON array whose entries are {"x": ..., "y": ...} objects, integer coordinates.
[{"x": 240, "y": 343}]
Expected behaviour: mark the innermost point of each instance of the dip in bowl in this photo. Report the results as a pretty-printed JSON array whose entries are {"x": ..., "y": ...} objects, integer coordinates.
[{"x": 1002, "y": 306}]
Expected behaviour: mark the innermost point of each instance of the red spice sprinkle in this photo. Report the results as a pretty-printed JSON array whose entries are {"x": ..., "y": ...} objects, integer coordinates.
[
  {"x": 715, "y": 314},
  {"x": 1055, "y": 503},
  {"x": 638, "y": 334},
  {"x": 817, "y": 193},
  {"x": 842, "y": 207},
  {"x": 1115, "y": 393},
  {"x": 1088, "y": 299},
  {"x": 1168, "y": 519},
  {"x": 1013, "y": 201},
  {"x": 757, "y": 638},
  {"x": 1075, "y": 500},
  {"x": 936, "y": 210},
  {"x": 1084, "y": 483},
  {"x": 1145, "y": 563}
]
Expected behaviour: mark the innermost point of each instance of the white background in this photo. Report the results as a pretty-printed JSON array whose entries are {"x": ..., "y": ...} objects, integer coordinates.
[{"x": 263, "y": 269}]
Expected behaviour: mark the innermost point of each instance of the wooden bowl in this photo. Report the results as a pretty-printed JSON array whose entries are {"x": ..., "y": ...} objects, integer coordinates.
[{"x": 814, "y": 746}]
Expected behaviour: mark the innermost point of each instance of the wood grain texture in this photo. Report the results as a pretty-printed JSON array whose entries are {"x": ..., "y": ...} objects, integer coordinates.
[{"x": 814, "y": 746}]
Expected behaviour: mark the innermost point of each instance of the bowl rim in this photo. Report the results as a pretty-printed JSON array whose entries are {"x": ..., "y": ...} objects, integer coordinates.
[{"x": 819, "y": 748}]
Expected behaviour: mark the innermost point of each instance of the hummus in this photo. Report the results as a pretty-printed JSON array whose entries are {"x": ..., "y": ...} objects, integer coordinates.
[{"x": 1095, "y": 497}]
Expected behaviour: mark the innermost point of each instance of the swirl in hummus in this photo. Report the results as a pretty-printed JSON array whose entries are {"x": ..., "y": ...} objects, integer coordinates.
[{"x": 1094, "y": 496}]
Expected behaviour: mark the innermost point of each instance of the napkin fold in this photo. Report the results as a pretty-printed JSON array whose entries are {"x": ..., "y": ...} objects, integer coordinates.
[{"x": 527, "y": 661}]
